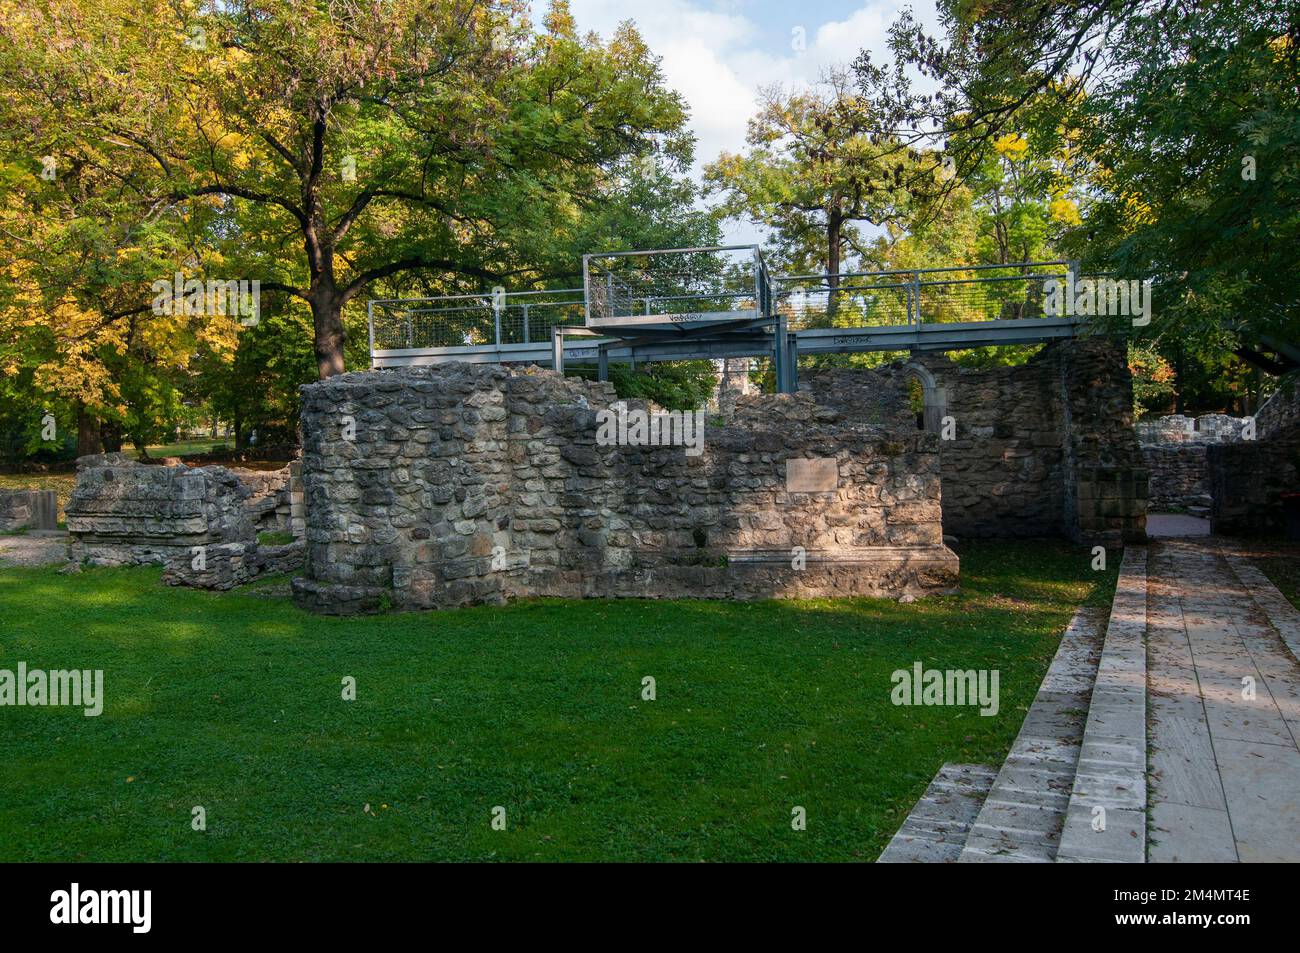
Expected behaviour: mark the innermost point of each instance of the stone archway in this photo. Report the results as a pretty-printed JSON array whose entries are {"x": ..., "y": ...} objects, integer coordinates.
[{"x": 934, "y": 398}]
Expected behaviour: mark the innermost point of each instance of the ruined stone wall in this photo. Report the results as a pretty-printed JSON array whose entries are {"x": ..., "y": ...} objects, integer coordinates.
[
  {"x": 122, "y": 512},
  {"x": 28, "y": 509},
  {"x": 733, "y": 382},
  {"x": 1282, "y": 409},
  {"x": 468, "y": 483},
  {"x": 1004, "y": 470},
  {"x": 1179, "y": 477},
  {"x": 1177, "y": 429},
  {"x": 1107, "y": 483},
  {"x": 1248, "y": 481},
  {"x": 1041, "y": 449},
  {"x": 1174, "y": 447}
]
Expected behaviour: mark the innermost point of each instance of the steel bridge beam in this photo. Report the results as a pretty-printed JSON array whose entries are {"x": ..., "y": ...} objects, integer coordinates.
[{"x": 911, "y": 337}]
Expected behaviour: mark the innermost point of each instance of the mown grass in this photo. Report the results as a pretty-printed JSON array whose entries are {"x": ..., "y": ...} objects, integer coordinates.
[
  {"x": 233, "y": 702},
  {"x": 1281, "y": 564}
]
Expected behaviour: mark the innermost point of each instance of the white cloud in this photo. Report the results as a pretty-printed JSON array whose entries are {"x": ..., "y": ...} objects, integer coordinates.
[{"x": 719, "y": 58}]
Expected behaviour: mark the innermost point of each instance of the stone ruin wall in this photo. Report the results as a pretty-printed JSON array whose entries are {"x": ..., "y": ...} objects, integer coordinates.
[
  {"x": 1045, "y": 448},
  {"x": 469, "y": 484},
  {"x": 1249, "y": 480},
  {"x": 28, "y": 510},
  {"x": 123, "y": 512},
  {"x": 472, "y": 483},
  {"x": 1281, "y": 412},
  {"x": 1176, "y": 452},
  {"x": 1179, "y": 477}
]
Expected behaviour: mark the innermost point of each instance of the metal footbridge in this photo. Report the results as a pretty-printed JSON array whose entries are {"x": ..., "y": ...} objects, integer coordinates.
[{"x": 722, "y": 302}]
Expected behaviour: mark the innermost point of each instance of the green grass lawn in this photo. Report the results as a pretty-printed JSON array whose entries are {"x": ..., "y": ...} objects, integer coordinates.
[
  {"x": 1281, "y": 564},
  {"x": 233, "y": 702},
  {"x": 185, "y": 448}
]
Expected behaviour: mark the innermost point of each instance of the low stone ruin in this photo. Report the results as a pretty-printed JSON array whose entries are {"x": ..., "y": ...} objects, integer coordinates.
[
  {"x": 1254, "y": 482},
  {"x": 201, "y": 523},
  {"x": 1040, "y": 449},
  {"x": 1175, "y": 448},
  {"x": 459, "y": 484},
  {"x": 28, "y": 510},
  {"x": 1177, "y": 429}
]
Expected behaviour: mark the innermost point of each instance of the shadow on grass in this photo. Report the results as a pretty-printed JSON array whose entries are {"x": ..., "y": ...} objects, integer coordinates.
[{"x": 233, "y": 701}]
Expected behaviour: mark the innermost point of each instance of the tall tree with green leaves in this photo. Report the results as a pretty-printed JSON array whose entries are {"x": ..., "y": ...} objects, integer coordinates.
[
  {"x": 85, "y": 227},
  {"x": 815, "y": 173},
  {"x": 1187, "y": 118},
  {"x": 350, "y": 142}
]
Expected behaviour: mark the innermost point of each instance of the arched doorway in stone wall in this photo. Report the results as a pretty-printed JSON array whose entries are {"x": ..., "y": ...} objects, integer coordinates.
[{"x": 931, "y": 409}]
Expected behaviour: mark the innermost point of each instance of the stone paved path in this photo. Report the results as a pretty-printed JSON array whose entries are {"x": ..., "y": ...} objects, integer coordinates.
[
  {"x": 1176, "y": 524},
  {"x": 1225, "y": 767}
]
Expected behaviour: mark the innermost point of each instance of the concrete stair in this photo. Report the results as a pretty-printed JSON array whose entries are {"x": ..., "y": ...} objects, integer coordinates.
[
  {"x": 1021, "y": 819},
  {"x": 1106, "y": 820},
  {"x": 937, "y": 827},
  {"x": 974, "y": 813}
]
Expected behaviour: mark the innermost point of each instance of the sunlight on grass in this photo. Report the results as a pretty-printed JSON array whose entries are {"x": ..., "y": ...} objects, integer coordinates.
[{"x": 234, "y": 700}]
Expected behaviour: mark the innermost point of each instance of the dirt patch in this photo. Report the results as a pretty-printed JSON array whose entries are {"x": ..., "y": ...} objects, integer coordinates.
[{"x": 33, "y": 550}]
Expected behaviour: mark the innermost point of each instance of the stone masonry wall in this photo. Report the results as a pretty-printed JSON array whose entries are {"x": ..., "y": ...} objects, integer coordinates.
[
  {"x": 1045, "y": 448},
  {"x": 1249, "y": 480},
  {"x": 28, "y": 509},
  {"x": 469, "y": 483},
  {"x": 1179, "y": 477},
  {"x": 1107, "y": 483},
  {"x": 1177, "y": 429},
  {"x": 126, "y": 513},
  {"x": 1282, "y": 409},
  {"x": 1175, "y": 451}
]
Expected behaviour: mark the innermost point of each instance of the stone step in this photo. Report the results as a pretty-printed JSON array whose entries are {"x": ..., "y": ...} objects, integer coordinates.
[
  {"x": 936, "y": 829},
  {"x": 1283, "y": 616},
  {"x": 1020, "y": 820},
  {"x": 1106, "y": 821}
]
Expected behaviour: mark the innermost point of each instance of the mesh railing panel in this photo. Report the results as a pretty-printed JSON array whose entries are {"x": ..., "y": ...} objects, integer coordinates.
[
  {"x": 940, "y": 296},
  {"x": 673, "y": 282},
  {"x": 712, "y": 281},
  {"x": 461, "y": 320}
]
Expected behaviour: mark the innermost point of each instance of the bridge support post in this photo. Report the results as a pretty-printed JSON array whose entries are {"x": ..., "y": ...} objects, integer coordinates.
[
  {"x": 557, "y": 349},
  {"x": 602, "y": 362},
  {"x": 785, "y": 357},
  {"x": 792, "y": 363}
]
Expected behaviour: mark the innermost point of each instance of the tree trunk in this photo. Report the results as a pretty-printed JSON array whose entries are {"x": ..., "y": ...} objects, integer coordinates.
[
  {"x": 834, "y": 225},
  {"x": 327, "y": 319},
  {"x": 88, "y": 441},
  {"x": 1178, "y": 382},
  {"x": 110, "y": 433}
]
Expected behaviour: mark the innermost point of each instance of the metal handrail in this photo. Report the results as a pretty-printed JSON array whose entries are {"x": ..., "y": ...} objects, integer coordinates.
[
  {"x": 909, "y": 271},
  {"x": 767, "y": 290}
]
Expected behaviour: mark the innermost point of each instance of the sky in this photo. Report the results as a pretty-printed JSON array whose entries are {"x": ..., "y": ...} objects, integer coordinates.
[{"x": 717, "y": 53}]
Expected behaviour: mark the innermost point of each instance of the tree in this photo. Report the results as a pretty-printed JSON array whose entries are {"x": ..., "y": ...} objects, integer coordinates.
[
  {"x": 1153, "y": 379},
  {"x": 83, "y": 233},
  {"x": 350, "y": 142},
  {"x": 1187, "y": 119},
  {"x": 816, "y": 170}
]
